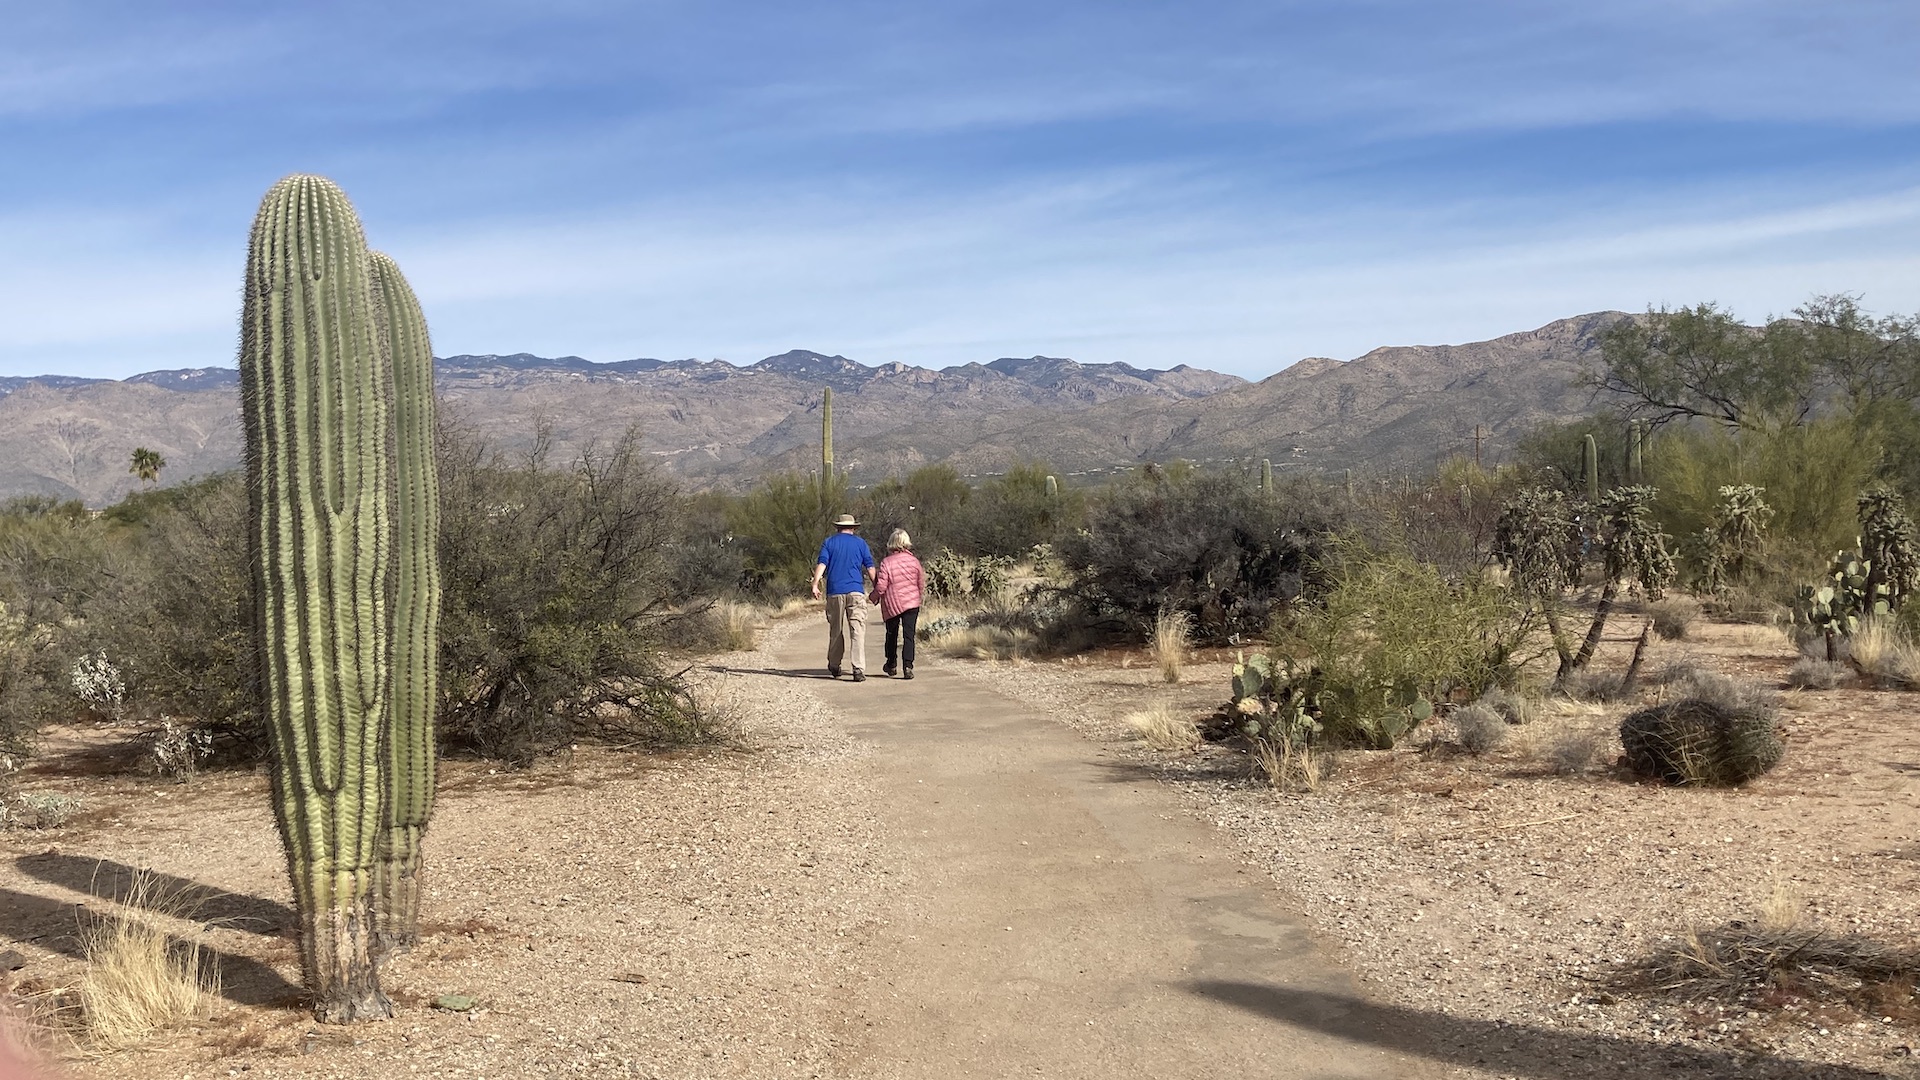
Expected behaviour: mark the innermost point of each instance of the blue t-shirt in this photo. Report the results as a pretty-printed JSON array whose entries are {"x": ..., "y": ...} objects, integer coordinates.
[{"x": 846, "y": 556}]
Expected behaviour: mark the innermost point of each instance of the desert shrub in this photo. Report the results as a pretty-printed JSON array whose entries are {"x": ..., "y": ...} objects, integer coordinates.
[
  {"x": 1576, "y": 752},
  {"x": 37, "y": 809},
  {"x": 1171, "y": 631},
  {"x": 1700, "y": 741},
  {"x": 1808, "y": 673},
  {"x": 932, "y": 503},
  {"x": 178, "y": 619},
  {"x": 1586, "y": 684},
  {"x": 1391, "y": 636},
  {"x": 778, "y": 527},
  {"x": 53, "y": 561},
  {"x": 1163, "y": 729},
  {"x": 1478, "y": 729},
  {"x": 984, "y": 642},
  {"x": 556, "y": 601},
  {"x": 1009, "y": 514},
  {"x": 177, "y": 750},
  {"x": 1512, "y": 706},
  {"x": 717, "y": 626},
  {"x": 1207, "y": 544},
  {"x": 943, "y": 625},
  {"x": 1674, "y": 616}
]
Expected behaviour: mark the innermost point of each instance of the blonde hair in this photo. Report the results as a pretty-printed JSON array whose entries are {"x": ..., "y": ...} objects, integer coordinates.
[{"x": 899, "y": 540}]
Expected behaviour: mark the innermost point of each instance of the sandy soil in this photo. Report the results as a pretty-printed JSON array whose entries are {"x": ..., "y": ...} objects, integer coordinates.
[
  {"x": 701, "y": 914},
  {"x": 1493, "y": 889}
]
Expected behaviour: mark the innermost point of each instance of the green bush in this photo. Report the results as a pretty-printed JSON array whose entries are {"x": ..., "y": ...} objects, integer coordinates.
[
  {"x": 556, "y": 601},
  {"x": 1390, "y": 636},
  {"x": 1208, "y": 544}
]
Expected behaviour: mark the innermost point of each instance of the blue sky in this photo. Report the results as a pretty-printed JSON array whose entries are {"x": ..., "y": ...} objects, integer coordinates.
[{"x": 1232, "y": 185}]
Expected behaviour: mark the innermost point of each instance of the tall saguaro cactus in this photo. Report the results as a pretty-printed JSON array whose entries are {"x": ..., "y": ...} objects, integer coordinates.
[
  {"x": 1266, "y": 476},
  {"x": 317, "y": 397},
  {"x": 1590, "y": 468},
  {"x": 416, "y": 612}
]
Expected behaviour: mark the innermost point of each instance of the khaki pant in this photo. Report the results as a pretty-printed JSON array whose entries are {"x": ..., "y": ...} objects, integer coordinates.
[{"x": 847, "y": 630}]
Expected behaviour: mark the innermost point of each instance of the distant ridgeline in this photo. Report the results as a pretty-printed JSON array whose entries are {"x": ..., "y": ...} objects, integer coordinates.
[{"x": 714, "y": 423}]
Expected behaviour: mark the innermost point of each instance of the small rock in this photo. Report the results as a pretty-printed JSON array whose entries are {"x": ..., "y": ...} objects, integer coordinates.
[{"x": 454, "y": 1002}]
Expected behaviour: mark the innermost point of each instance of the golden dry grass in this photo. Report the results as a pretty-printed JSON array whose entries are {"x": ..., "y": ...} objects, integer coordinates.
[
  {"x": 141, "y": 981},
  {"x": 1172, "y": 637},
  {"x": 1880, "y": 651},
  {"x": 1163, "y": 729},
  {"x": 984, "y": 643}
]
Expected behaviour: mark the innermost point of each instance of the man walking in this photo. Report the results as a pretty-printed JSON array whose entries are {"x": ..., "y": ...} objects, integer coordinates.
[{"x": 846, "y": 565}]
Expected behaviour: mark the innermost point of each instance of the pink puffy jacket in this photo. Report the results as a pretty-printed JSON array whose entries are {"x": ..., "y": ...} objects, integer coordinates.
[{"x": 897, "y": 585}]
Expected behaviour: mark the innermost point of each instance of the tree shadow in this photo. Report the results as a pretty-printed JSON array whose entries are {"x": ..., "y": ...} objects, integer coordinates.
[
  {"x": 110, "y": 880},
  {"x": 56, "y": 925},
  {"x": 1508, "y": 1049}
]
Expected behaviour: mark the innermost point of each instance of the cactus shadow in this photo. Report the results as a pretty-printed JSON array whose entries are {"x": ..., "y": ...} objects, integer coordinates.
[
  {"x": 111, "y": 880},
  {"x": 1508, "y": 1049},
  {"x": 55, "y": 925}
]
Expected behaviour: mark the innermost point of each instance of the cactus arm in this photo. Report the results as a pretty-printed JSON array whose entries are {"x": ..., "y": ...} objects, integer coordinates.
[
  {"x": 317, "y": 412},
  {"x": 416, "y": 613}
]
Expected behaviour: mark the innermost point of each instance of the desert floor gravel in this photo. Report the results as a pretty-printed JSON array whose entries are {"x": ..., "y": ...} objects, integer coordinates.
[
  {"x": 1489, "y": 898},
  {"x": 737, "y": 912}
]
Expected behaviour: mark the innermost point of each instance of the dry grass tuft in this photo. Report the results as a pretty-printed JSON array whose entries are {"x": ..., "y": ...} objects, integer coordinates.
[
  {"x": 984, "y": 642},
  {"x": 1577, "y": 751},
  {"x": 1172, "y": 637},
  {"x": 1884, "y": 654},
  {"x": 1163, "y": 729},
  {"x": 1808, "y": 673},
  {"x": 140, "y": 980},
  {"x": 1777, "y": 957},
  {"x": 1287, "y": 767},
  {"x": 1591, "y": 686}
]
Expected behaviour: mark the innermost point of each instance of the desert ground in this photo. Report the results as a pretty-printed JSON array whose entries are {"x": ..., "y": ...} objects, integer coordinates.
[{"x": 985, "y": 873}]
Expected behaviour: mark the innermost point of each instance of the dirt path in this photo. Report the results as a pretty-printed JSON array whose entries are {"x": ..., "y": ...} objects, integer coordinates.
[{"x": 1066, "y": 918}]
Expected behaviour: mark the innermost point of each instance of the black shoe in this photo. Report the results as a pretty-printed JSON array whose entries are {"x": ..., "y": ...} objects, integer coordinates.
[
  {"x": 833, "y": 673},
  {"x": 907, "y": 674},
  {"x": 859, "y": 676},
  {"x": 887, "y": 671}
]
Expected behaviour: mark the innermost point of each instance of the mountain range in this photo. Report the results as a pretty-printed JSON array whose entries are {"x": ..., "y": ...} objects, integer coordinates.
[{"x": 718, "y": 424}]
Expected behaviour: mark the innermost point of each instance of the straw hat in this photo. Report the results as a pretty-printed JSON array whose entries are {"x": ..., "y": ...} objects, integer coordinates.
[{"x": 845, "y": 521}]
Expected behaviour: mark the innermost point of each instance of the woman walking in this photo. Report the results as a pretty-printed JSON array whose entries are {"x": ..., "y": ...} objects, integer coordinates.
[{"x": 896, "y": 588}]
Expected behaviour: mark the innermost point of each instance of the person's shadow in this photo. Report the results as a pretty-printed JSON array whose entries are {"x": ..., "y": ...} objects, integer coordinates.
[{"x": 796, "y": 673}]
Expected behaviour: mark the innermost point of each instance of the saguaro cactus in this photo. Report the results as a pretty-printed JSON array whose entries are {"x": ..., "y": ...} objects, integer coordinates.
[
  {"x": 1053, "y": 486},
  {"x": 317, "y": 390},
  {"x": 415, "y": 669},
  {"x": 1636, "y": 451},
  {"x": 1266, "y": 476},
  {"x": 1590, "y": 467}
]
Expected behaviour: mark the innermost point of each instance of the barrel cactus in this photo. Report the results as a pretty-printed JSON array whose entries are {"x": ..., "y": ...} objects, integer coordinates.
[
  {"x": 1694, "y": 741},
  {"x": 416, "y": 612}
]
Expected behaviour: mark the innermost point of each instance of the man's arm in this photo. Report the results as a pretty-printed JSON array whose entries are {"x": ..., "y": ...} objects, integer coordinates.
[{"x": 819, "y": 571}]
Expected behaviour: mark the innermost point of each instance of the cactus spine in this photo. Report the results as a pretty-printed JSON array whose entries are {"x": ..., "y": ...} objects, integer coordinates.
[
  {"x": 1266, "y": 476},
  {"x": 1590, "y": 467},
  {"x": 317, "y": 391},
  {"x": 416, "y": 612}
]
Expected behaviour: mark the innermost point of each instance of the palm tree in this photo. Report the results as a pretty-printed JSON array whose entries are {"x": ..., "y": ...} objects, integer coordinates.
[{"x": 147, "y": 464}]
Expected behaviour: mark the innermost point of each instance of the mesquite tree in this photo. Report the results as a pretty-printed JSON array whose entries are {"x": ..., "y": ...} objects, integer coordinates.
[{"x": 324, "y": 418}]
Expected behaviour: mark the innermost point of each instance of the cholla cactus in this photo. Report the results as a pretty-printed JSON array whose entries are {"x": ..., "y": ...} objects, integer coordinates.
[
  {"x": 98, "y": 683},
  {"x": 1887, "y": 545}
]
